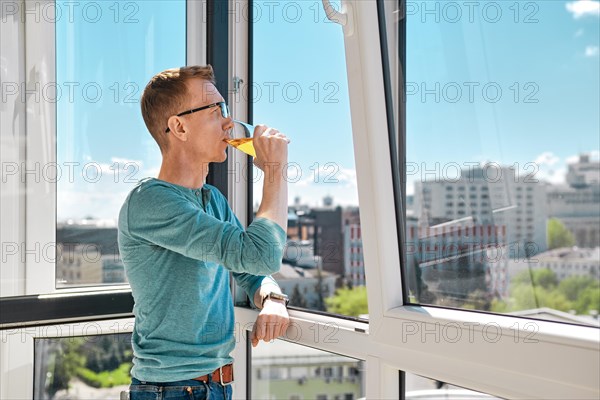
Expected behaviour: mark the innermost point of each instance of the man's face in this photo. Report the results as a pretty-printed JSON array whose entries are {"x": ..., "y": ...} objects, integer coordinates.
[{"x": 206, "y": 128}]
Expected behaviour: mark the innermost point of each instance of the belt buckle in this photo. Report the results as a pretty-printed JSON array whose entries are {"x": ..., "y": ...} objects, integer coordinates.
[{"x": 221, "y": 376}]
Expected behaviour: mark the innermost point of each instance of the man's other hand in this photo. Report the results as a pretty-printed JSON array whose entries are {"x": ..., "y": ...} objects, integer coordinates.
[{"x": 271, "y": 323}]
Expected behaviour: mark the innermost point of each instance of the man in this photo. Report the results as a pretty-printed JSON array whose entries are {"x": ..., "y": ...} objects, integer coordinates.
[{"x": 179, "y": 240}]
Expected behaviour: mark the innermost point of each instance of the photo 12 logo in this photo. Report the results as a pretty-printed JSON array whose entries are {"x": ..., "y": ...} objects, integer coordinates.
[
  {"x": 489, "y": 12},
  {"x": 70, "y": 92},
  {"x": 91, "y": 12},
  {"x": 472, "y": 92}
]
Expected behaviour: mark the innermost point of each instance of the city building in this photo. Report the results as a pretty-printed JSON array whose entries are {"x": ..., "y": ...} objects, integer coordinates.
[
  {"x": 366, "y": 91},
  {"x": 488, "y": 195},
  {"x": 323, "y": 227},
  {"x": 354, "y": 264},
  {"x": 566, "y": 262},
  {"x": 285, "y": 370},
  {"x": 307, "y": 288},
  {"x": 449, "y": 261},
  {"x": 78, "y": 264},
  {"x": 87, "y": 246},
  {"x": 577, "y": 202}
]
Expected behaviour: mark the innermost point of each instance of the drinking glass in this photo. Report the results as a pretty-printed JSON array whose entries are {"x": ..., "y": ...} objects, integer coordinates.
[{"x": 241, "y": 137}]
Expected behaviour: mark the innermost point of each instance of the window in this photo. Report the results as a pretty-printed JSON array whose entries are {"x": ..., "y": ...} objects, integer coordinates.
[
  {"x": 308, "y": 100},
  {"x": 87, "y": 142},
  {"x": 316, "y": 373},
  {"x": 419, "y": 387},
  {"x": 104, "y": 60},
  {"x": 487, "y": 366},
  {"x": 466, "y": 93},
  {"x": 82, "y": 367}
]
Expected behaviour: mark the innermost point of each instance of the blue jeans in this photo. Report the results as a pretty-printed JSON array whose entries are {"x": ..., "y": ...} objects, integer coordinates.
[{"x": 188, "y": 389}]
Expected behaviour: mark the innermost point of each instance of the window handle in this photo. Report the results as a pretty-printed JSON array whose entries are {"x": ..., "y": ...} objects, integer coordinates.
[{"x": 334, "y": 15}]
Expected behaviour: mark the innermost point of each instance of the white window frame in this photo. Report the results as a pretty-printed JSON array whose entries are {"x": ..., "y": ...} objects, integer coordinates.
[
  {"x": 17, "y": 349},
  {"x": 562, "y": 363},
  {"x": 31, "y": 206},
  {"x": 12, "y": 154}
]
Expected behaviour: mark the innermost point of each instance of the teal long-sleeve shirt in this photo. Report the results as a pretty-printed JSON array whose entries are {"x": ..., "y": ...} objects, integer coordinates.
[{"x": 178, "y": 246}]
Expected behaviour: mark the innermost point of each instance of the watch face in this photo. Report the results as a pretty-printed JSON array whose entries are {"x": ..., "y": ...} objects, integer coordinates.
[{"x": 278, "y": 296}]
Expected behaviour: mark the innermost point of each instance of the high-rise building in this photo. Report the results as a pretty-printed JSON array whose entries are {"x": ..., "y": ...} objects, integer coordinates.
[
  {"x": 488, "y": 195},
  {"x": 577, "y": 203},
  {"x": 354, "y": 265}
]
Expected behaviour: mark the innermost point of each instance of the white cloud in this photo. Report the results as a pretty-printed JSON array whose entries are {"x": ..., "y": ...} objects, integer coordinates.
[
  {"x": 124, "y": 161},
  {"x": 582, "y": 8},
  {"x": 592, "y": 51},
  {"x": 312, "y": 184},
  {"x": 554, "y": 176},
  {"x": 78, "y": 204},
  {"x": 547, "y": 158}
]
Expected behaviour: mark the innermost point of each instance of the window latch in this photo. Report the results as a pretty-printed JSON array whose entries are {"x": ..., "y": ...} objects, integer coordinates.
[{"x": 343, "y": 17}]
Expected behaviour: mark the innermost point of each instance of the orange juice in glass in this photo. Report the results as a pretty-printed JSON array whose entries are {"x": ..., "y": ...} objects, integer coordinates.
[{"x": 241, "y": 137}]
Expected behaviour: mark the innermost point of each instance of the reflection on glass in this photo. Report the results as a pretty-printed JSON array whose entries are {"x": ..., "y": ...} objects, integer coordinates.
[
  {"x": 305, "y": 95},
  {"x": 88, "y": 367},
  {"x": 503, "y": 176},
  {"x": 104, "y": 57},
  {"x": 284, "y": 370},
  {"x": 420, "y": 388}
]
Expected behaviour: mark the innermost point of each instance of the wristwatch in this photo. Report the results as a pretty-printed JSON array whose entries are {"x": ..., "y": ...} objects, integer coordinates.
[{"x": 276, "y": 296}]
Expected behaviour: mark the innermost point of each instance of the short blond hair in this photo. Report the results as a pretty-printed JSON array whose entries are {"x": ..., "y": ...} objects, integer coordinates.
[{"x": 166, "y": 94}]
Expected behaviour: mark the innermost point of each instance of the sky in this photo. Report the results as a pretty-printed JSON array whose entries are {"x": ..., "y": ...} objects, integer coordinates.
[{"x": 488, "y": 83}]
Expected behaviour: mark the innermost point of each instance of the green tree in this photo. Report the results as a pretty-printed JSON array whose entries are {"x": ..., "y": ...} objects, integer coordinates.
[
  {"x": 588, "y": 300},
  {"x": 542, "y": 277},
  {"x": 67, "y": 361},
  {"x": 559, "y": 235},
  {"x": 574, "y": 286},
  {"x": 350, "y": 302},
  {"x": 540, "y": 288}
]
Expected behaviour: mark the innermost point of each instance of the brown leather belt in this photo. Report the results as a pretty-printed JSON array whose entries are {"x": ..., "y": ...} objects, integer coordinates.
[{"x": 223, "y": 375}]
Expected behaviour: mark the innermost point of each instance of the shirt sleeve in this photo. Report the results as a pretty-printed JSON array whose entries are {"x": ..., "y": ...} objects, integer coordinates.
[
  {"x": 250, "y": 283},
  {"x": 160, "y": 215}
]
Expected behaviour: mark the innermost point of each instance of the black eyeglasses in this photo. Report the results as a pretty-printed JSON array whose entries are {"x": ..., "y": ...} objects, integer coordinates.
[{"x": 221, "y": 104}]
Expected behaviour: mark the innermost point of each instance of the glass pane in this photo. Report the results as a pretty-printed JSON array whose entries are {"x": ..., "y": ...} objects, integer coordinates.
[
  {"x": 418, "y": 387},
  {"x": 106, "y": 52},
  {"x": 82, "y": 367},
  {"x": 284, "y": 370},
  {"x": 502, "y": 170},
  {"x": 305, "y": 95}
]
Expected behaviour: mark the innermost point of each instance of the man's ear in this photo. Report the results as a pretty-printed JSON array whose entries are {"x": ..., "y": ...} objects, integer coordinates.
[{"x": 177, "y": 128}]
